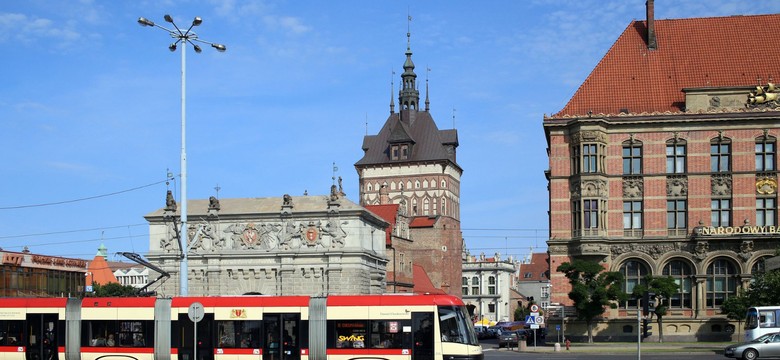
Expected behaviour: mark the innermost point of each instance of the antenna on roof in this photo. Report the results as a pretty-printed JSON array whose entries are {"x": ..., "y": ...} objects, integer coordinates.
[{"x": 453, "y": 117}]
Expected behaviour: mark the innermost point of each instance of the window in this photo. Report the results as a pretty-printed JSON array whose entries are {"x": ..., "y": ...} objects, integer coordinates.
[
  {"x": 676, "y": 215},
  {"x": 765, "y": 154},
  {"x": 388, "y": 334},
  {"x": 117, "y": 333},
  {"x": 632, "y": 158},
  {"x": 404, "y": 152},
  {"x": 239, "y": 334},
  {"x": 426, "y": 206},
  {"x": 675, "y": 157},
  {"x": 591, "y": 213},
  {"x": 576, "y": 220},
  {"x": 347, "y": 334},
  {"x": 491, "y": 285},
  {"x": 721, "y": 282},
  {"x": 632, "y": 215},
  {"x": 720, "y": 155},
  {"x": 455, "y": 325},
  {"x": 394, "y": 153},
  {"x": 589, "y": 158},
  {"x": 443, "y": 206},
  {"x": 721, "y": 212},
  {"x": 759, "y": 267},
  {"x": 475, "y": 285},
  {"x": 633, "y": 274},
  {"x": 491, "y": 308},
  {"x": 681, "y": 272},
  {"x": 464, "y": 286},
  {"x": 766, "y": 211}
]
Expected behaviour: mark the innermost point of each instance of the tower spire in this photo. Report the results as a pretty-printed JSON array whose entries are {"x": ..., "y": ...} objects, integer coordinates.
[
  {"x": 409, "y": 96},
  {"x": 392, "y": 89},
  {"x": 427, "y": 101}
]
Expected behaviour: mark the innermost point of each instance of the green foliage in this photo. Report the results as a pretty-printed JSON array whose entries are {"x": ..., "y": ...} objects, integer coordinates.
[
  {"x": 764, "y": 290},
  {"x": 663, "y": 287},
  {"x": 520, "y": 313},
  {"x": 113, "y": 290},
  {"x": 593, "y": 289}
]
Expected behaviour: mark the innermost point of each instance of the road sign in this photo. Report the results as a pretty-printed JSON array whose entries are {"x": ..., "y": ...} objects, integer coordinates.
[
  {"x": 195, "y": 312},
  {"x": 530, "y": 320},
  {"x": 540, "y": 320},
  {"x": 534, "y": 326},
  {"x": 534, "y": 308}
]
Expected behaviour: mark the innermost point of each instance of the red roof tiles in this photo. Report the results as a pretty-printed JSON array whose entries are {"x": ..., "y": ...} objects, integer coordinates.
[
  {"x": 692, "y": 53},
  {"x": 387, "y": 212}
]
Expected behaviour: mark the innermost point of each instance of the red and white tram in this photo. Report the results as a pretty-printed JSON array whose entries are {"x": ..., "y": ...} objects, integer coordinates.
[{"x": 391, "y": 327}]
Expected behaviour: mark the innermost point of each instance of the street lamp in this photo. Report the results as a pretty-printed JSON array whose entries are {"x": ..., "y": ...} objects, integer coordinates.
[{"x": 183, "y": 37}]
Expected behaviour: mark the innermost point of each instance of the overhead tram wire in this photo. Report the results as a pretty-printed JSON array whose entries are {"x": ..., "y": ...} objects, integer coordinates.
[{"x": 81, "y": 199}]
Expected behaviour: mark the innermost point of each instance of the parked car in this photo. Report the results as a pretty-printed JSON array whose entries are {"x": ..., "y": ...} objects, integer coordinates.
[
  {"x": 494, "y": 332},
  {"x": 511, "y": 338},
  {"x": 482, "y": 332},
  {"x": 764, "y": 346}
]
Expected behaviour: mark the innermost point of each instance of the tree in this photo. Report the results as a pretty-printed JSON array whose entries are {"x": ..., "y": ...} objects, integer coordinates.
[
  {"x": 764, "y": 290},
  {"x": 592, "y": 289},
  {"x": 114, "y": 290},
  {"x": 664, "y": 287}
]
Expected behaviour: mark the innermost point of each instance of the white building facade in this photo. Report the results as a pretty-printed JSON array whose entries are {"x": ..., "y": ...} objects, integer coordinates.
[{"x": 487, "y": 285}]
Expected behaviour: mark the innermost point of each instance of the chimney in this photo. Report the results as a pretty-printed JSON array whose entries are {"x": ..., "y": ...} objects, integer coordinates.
[{"x": 651, "y": 44}]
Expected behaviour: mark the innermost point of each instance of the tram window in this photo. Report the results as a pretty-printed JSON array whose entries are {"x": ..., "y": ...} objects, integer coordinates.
[
  {"x": 347, "y": 334},
  {"x": 238, "y": 334},
  {"x": 387, "y": 334},
  {"x": 137, "y": 333},
  {"x": 454, "y": 324},
  {"x": 10, "y": 332}
]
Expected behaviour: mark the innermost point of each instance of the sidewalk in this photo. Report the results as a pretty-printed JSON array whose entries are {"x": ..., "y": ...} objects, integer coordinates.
[{"x": 626, "y": 347}]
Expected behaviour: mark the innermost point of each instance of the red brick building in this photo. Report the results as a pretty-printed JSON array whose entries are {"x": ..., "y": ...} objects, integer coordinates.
[{"x": 664, "y": 162}]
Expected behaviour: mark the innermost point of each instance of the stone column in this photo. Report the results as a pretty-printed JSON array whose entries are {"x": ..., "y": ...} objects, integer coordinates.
[{"x": 701, "y": 296}]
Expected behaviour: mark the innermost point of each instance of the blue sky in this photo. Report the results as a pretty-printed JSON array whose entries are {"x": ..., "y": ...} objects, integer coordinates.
[{"x": 91, "y": 122}]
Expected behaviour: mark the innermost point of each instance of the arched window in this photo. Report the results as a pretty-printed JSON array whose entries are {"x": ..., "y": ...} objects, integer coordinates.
[
  {"x": 425, "y": 184},
  {"x": 443, "y": 184},
  {"x": 426, "y": 206},
  {"x": 721, "y": 282},
  {"x": 433, "y": 183},
  {"x": 464, "y": 285},
  {"x": 414, "y": 207},
  {"x": 392, "y": 185},
  {"x": 443, "y": 206},
  {"x": 681, "y": 272},
  {"x": 633, "y": 272},
  {"x": 759, "y": 267},
  {"x": 475, "y": 285},
  {"x": 370, "y": 187},
  {"x": 491, "y": 285}
]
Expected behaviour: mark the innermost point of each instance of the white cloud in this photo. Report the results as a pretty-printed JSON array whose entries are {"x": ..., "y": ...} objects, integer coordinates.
[
  {"x": 288, "y": 24},
  {"x": 21, "y": 28}
]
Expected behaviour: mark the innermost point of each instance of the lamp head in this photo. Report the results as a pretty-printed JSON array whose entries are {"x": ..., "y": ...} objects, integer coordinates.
[
  {"x": 145, "y": 22},
  {"x": 197, "y": 21},
  {"x": 172, "y": 47},
  {"x": 197, "y": 48},
  {"x": 168, "y": 18},
  {"x": 219, "y": 47}
]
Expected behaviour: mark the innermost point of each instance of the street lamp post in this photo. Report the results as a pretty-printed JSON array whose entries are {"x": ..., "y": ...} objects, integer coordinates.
[{"x": 183, "y": 37}]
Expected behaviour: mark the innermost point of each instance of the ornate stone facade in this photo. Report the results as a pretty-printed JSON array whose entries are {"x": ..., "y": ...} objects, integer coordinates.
[{"x": 304, "y": 245}]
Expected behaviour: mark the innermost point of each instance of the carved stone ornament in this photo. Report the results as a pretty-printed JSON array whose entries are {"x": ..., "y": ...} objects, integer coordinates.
[
  {"x": 702, "y": 247},
  {"x": 766, "y": 186},
  {"x": 654, "y": 250},
  {"x": 721, "y": 184},
  {"x": 676, "y": 186},
  {"x": 594, "y": 188},
  {"x": 746, "y": 249},
  {"x": 633, "y": 187},
  {"x": 589, "y": 136}
]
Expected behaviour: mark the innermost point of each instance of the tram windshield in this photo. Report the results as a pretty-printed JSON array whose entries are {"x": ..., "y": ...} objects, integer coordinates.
[{"x": 456, "y": 326}]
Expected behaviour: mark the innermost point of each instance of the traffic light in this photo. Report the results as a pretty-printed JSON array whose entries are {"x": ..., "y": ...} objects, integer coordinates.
[
  {"x": 646, "y": 328},
  {"x": 648, "y": 303}
]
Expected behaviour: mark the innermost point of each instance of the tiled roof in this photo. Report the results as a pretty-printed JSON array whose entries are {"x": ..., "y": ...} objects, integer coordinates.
[
  {"x": 428, "y": 140},
  {"x": 422, "y": 283},
  {"x": 423, "y": 221},
  {"x": 537, "y": 267},
  {"x": 387, "y": 212},
  {"x": 100, "y": 272},
  {"x": 692, "y": 53}
]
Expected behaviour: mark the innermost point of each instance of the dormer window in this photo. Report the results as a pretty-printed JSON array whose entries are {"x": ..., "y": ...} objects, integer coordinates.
[{"x": 399, "y": 151}]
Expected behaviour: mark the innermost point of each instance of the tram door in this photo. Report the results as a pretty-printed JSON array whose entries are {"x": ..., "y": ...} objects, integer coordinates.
[
  {"x": 423, "y": 329},
  {"x": 281, "y": 336},
  {"x": 41, "y": 339},
  {"x": 186, "y": 332}
]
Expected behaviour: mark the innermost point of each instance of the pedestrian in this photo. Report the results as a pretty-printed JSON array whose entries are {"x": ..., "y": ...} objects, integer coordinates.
[{"x": 568, "y": 344}]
